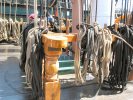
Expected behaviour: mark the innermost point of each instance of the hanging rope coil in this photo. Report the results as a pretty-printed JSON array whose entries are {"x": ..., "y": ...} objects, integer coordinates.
[
  {"x": 10, "y": 30},
  {"x": 98, "y": 56},
  {"x": 100, "y": 53},
  {"x": 121, "y": 59}
]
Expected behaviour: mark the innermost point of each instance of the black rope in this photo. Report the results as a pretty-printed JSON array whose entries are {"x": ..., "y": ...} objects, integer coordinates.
[
  {"x": 85, "y": 10},
  {"x": 24, "y": 45},
  {"x": 122, "y": 59},
  {"x": 36, "y": 65}
]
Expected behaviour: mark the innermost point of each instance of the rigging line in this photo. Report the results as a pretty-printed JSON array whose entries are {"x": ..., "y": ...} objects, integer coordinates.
[
  {"x": 130, "y": 6},
  {"x": 45, "y": 13},
  {"x": 96, "y": 11},
  {"x": 10, "y": 21},
  {"x": 116, "y": 2},
  {"x": 127, "y": 6},
  {"x": 16, "y": 9},
  {"x": 35, "y": 12},
  {"x": 60, "y": 18},
  {"x": 125, "y": 12},
  {"x": 122, "y": 10},
  {"x": 82, "y": 10},
  {"x": 1, "y": 9},
  {"x": 40, "y": 13},
  {"x": 4, "y": 9},
  {"x": 66, "y": 10},
  {"x": 79, "y": 4},
  {"x": 128, "y": 10},
  {"x": 111, "y": 12},
  {"x": 90, "y": 6},
  {"x": 27, "y": 10},
  {"x": 40, "y": 9},
  {"x": 85, "y": 11},
  {"x": 10, "y": 9},
  {"x": 53, "y": 2}
]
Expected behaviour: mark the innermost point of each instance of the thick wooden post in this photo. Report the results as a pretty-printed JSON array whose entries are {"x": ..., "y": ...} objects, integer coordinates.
[{"x": 53, "y": 44}]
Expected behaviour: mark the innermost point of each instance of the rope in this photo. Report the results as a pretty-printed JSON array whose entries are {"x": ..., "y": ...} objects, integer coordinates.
[
  {"x": 121, "y": 58},
  {"x": 1, "y": 8},
  {"x": 45, "y": 14},
  {"x": 10, "y": 9},
  {"x": 16, "y": 9},
  {"x": 123, "y": 41},
  {"x": 35, "y": 12},
  {"x": 98, "y": 51},
  {"x": 111, "y": 12},
  {"x": 41, "y": 8},
  {"x": 27, "y": 10},
  {"x": 122, "y": 38},
  {"x": 52, "y": 4},
  {"x": 90, "y": 11},
  {"x": 127, "y": 6},
  {"x": 4, "y": 25},
  {"x": 10, "y": 21},
  {"x": 96, "y": 11},
  {"x": 130, "y": 8},
  {"x": 66, "y": 13},
  {"x": 101, "y": 57},
  {"x": 122, "y": 10},
  {"x": 125, "y": 12},
  {"x": 87, "y": 19},
  {"x": 102, "y": 54},
  {"x": 4, "y": 9},
  {"x": 83, "y": 10}
]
